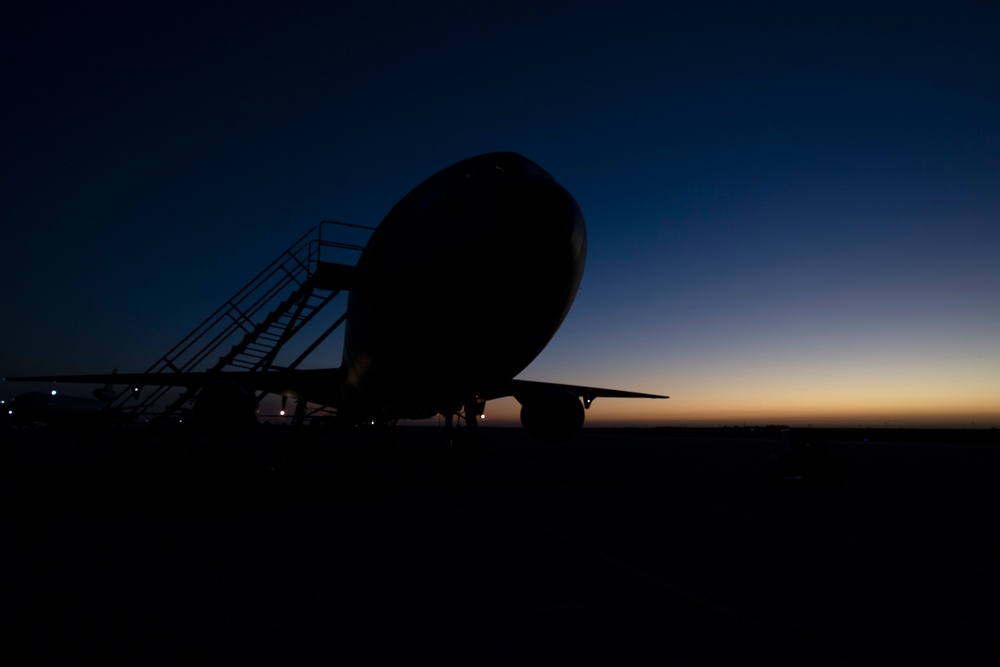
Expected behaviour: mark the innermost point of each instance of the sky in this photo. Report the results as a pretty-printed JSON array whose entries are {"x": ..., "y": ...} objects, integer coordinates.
[{"x": 793, "y": 209}]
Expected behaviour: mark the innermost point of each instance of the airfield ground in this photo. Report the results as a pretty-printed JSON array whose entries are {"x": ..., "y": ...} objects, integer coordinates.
[{"x": 621, "y": 547}]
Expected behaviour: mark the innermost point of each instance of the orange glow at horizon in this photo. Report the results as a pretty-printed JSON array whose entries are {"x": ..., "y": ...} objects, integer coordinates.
[
  {"x": 894, "y": 401},
  {"x": 614, "y": 412}
]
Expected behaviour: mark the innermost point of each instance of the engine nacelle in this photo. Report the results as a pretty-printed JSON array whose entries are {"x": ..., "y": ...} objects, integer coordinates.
[
  {"x": 224, "y": 409},
  {"x": 553, "y": 416}
]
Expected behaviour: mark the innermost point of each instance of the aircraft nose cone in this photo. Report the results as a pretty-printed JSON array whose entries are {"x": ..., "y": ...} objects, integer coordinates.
[
  {"x": 487, "y": 254},
  {"x": 540, "y": 228},
  {"x": 531, "y": 256}
]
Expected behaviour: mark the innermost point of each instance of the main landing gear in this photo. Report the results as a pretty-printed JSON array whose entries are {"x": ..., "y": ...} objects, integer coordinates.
[{"x": 467, "y": 437}]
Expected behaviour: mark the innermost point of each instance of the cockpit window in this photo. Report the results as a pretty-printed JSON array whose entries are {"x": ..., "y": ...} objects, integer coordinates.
[{"x": 499, "y": 167}]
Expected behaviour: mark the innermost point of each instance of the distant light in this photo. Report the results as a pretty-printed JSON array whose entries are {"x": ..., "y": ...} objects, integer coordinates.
[
  {"x": 53, "y": 392},
  {"x": 282, "y": 413},
  {"x": 10, "y": 412},
  {"x": 483, "y": 416},
  {"x": 373, "y": 422}
]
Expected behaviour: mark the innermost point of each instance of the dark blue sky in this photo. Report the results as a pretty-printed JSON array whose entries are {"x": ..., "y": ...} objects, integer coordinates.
[{"x": 794, "y": 211}]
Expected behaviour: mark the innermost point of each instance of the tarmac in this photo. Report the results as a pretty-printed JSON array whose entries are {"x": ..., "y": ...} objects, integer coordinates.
[{"x": 632, "y": 546}]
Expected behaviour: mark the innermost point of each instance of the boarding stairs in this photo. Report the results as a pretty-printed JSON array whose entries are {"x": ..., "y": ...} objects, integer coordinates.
[{"x": 258, "y": 321}]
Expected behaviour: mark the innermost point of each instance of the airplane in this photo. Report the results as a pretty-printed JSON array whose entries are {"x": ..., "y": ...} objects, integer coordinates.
[
  {"x": 53, "y": 408},
  {"x": 459, "y": 288}
]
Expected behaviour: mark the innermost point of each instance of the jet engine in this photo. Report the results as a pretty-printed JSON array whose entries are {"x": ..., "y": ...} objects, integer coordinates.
[
  {"x": 552, "y": 416},
  {"x": 224, "y": 409}
]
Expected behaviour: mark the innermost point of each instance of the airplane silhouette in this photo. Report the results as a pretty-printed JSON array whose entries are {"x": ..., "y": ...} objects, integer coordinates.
[
  {"x": 51, "y": 407},
  {"x": 459, "y": 288}
]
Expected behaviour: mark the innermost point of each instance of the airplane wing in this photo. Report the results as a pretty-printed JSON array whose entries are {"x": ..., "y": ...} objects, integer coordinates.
[
  {"x": 588, "y": 394},
  {"x": 316, "y": 386}
]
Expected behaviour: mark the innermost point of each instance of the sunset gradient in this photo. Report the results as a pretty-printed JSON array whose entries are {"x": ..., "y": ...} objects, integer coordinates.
[{"x": 793, "y": 209}]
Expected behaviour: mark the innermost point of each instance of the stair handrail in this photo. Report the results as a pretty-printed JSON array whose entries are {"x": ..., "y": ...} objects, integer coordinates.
[
  {"x": 297, "y": 263},
  {"x": 237, "y": 298}
]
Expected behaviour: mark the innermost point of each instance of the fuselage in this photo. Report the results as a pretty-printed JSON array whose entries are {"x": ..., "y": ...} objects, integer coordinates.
[
  {"x": 52, "y": 408},
  {"x": 461, "y": 286}
]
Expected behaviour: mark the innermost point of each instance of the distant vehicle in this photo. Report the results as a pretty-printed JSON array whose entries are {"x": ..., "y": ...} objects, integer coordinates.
[{"x": 460, "y": 287}]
